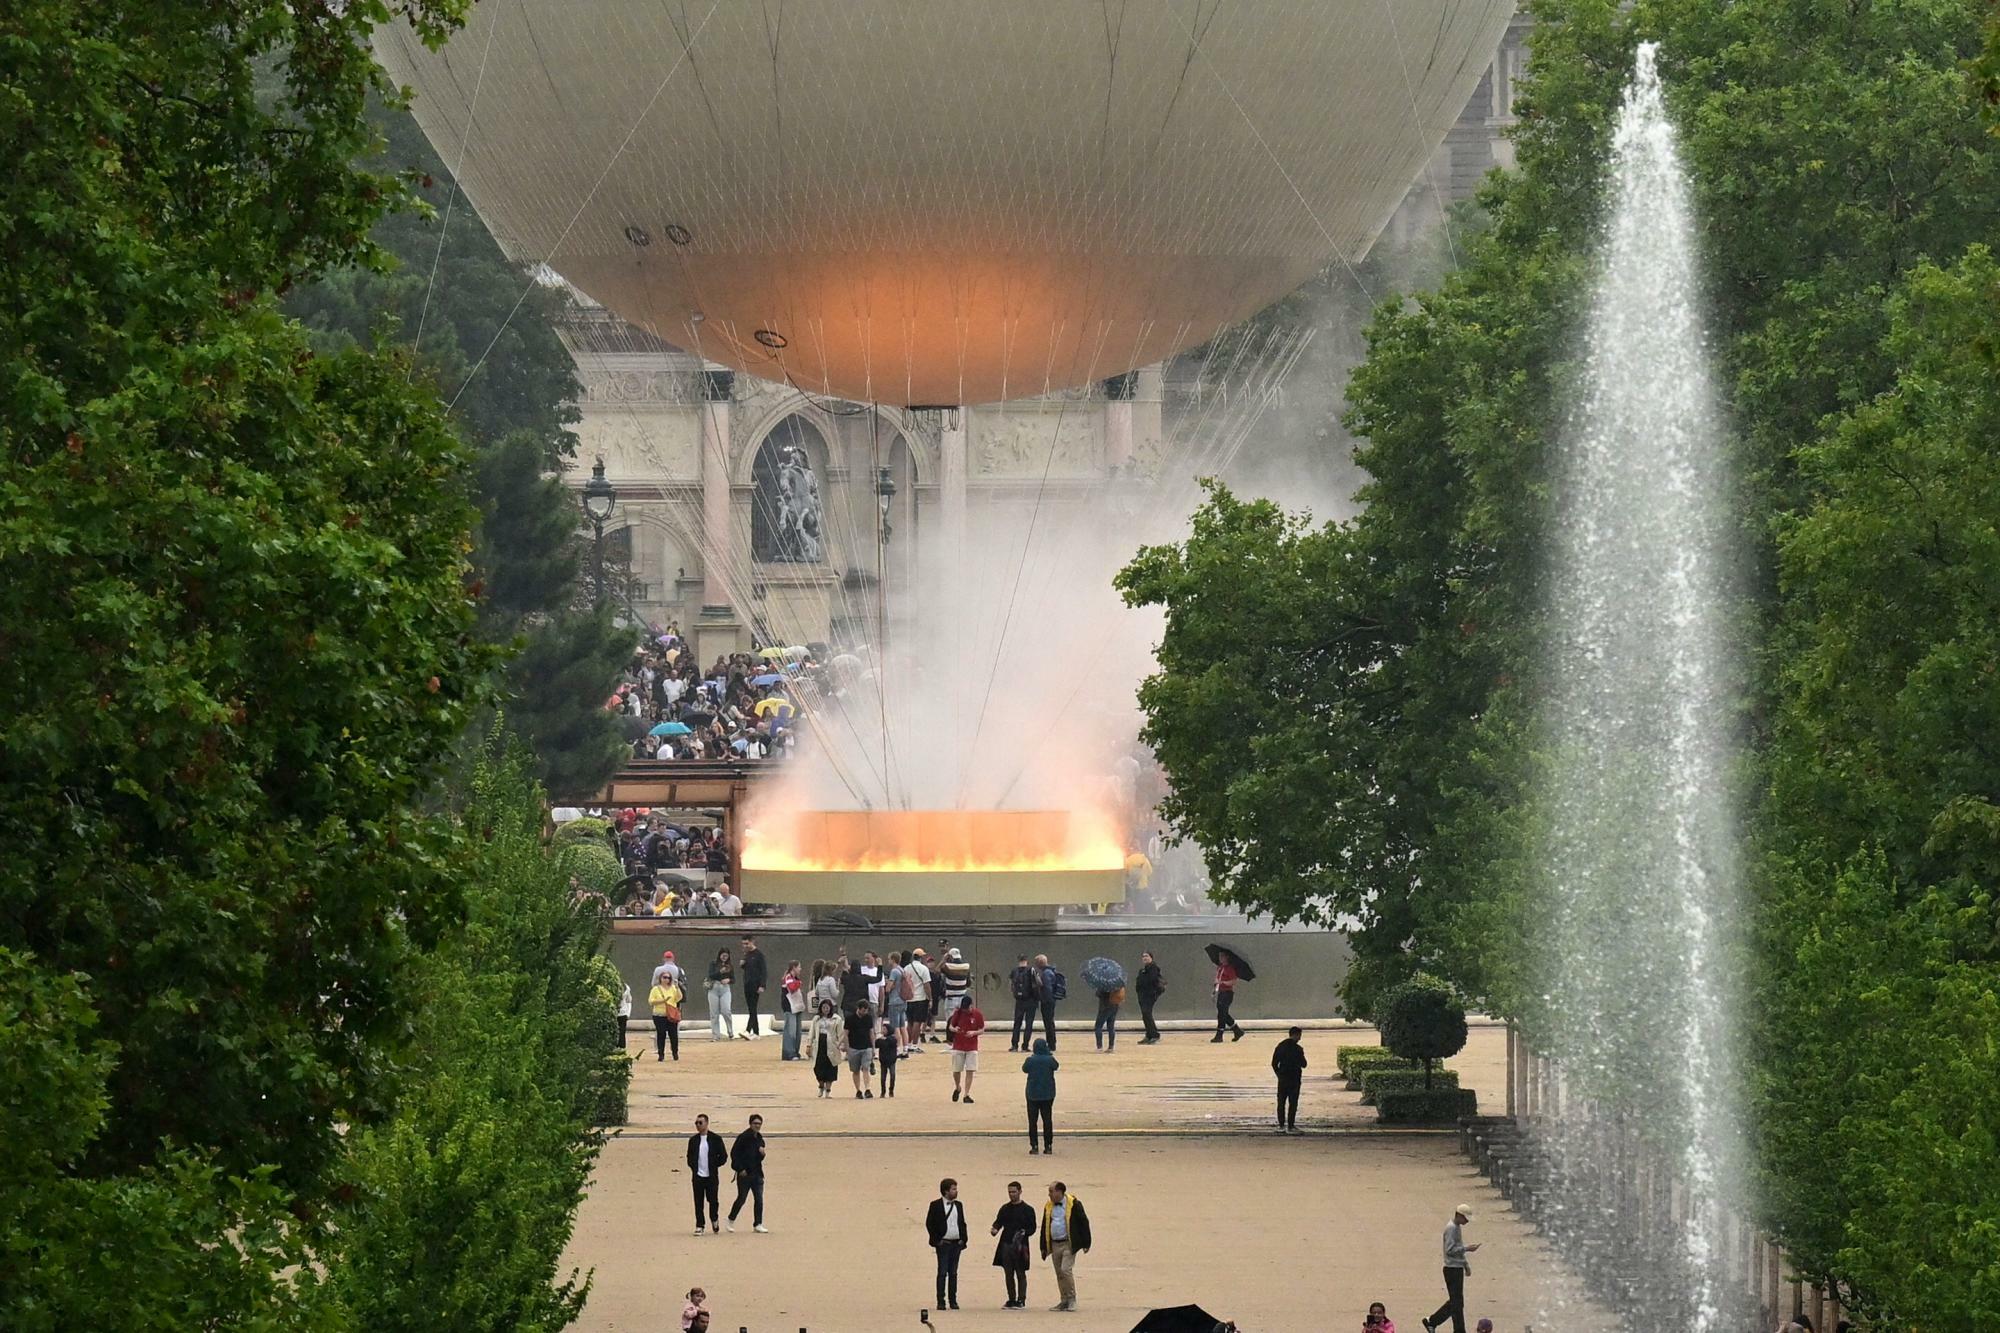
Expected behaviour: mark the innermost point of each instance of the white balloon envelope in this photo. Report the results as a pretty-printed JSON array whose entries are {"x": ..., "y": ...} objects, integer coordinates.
[{"x": 942, "y": 201}]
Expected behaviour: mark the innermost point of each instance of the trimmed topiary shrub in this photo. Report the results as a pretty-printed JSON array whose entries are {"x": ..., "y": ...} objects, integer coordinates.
[
  {"x": 584, "y": 830},
  {"x": 1363, "y": 1061},
  {"x": 1423, "y": 1020},
  {"x": 613, "y": 1084},
  {"x": 1426, "y": 1106},
  {"x": 593, "y": 865},
  {"x": 1342, "y": 1054},
  {"x": 1376, "y": 1080}
]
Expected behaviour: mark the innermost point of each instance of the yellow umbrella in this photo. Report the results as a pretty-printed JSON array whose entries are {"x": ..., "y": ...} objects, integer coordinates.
[{"x": 766, "y": 707}]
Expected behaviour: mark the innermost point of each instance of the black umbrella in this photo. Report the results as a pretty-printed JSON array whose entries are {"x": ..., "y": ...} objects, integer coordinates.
[
  {"x": 848, "y": 917},
  {"x": 1181, "y": 1319},
  {"x": 1217, "y": 952}
]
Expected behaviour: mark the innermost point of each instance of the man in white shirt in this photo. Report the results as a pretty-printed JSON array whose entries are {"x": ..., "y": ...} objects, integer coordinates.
[
  {"x": 920, "y": 1002},
  {"x": 945, "y": 1224},
  {"x": 670, "y": 970},
  {"x": 731, "y": 904},
  {"x": 706, "y": 1156}
]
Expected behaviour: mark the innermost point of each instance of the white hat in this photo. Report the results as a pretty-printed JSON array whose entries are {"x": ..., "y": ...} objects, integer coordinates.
[{"x": 1464, "y": 1210}]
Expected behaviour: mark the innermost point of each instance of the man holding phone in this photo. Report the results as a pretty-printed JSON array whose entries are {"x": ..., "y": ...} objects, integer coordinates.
[{"x": 1455, "y": 1268}]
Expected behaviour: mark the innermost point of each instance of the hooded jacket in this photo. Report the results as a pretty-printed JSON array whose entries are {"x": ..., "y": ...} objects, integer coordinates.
[{"x": 1040, "y": 1067}]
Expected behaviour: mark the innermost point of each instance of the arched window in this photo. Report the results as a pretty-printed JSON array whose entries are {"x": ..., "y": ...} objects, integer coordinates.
[{"x": 788, "y": 497}]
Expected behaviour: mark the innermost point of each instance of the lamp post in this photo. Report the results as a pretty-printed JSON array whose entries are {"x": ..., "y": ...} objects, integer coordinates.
[{"x": 599, "y": 498}]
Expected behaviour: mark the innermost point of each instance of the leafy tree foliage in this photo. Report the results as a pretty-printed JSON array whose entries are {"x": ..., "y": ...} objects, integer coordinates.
[
  {"x": 232, "y": 579},
  {"x": 1365, "y": 693},
  {"x": 1422, "y": 1019},
  {"x": 468, "y": 1193},
  {"x": 446, "y": 293}
]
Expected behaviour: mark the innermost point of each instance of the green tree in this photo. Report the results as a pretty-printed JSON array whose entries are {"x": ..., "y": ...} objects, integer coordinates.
[
  {"x": 1883, "y": 834},
  {"x": 447, "y": 293},
  {"x": 467, "y": 1195}
]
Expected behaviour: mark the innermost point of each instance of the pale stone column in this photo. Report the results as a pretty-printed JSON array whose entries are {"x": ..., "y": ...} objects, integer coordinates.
[
  {"x": 718, "y": 387},
  {"x": 953, "y": 448}
]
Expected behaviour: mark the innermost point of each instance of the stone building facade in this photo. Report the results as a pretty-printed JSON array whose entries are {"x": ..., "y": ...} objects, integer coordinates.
[{"x": 691, "y": 450}]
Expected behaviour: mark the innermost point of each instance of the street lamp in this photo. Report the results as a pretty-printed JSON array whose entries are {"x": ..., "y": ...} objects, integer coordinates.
[
  {"x": 885, "y": 495},
  {"x": 599, "y": 498}
]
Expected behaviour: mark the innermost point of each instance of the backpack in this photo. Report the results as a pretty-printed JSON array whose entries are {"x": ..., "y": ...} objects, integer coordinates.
[
  {"x": 907, "y": 987},
  {"x": 1058, "y": 985}
]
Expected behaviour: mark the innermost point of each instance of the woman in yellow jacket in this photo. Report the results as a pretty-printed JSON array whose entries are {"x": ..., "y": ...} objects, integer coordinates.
[{"x": 665, "y": 1001}]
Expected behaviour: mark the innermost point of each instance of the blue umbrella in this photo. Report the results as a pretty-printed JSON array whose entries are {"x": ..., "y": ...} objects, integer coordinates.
[
  {"x": 768, "y": 678},
  {"x": 1102, "y": 974},
  {"x": 670, "y": 729}
]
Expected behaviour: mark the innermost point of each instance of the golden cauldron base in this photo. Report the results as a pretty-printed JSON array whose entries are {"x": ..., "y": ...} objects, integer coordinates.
[{"x": 933, "y": 888}]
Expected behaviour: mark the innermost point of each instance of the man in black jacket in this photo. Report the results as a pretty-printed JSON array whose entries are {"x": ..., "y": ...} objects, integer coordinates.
[
  {"x": 706, "y": 1156},
  {"x": 746, "y": 1159},
  {"x": 946, "y": 1224},
  {"x": 1149, "y": 986},
  {"x": 1288, "y": 1062},
  {"x": 755, "y": 978},
  {"x": 1027, "y": 985}
]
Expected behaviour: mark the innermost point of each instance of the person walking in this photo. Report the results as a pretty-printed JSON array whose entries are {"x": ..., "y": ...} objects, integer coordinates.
[
  {"x": 746, "y": 1159},
  {"x": 706, "y": 1154},
  {"x": 824, "y": 1040},
  {"x": 962, "y": 1029},
  {"x": 1225, "y": 995},
  {"x": 1014, "y": 1224},
  {"x": 1456, "y": 1268},
  {"x": 858, "y": 1033},
  {"x": 721, "y": 977},
  {"x": 853, "y": 988},
  {"x": 1288, "y": 1062},
  {"x": 1104, "y": 1031},
  {"x": 792, "y": 1002},
  {"x": 755, "y": 979},
  {"x": 1150, "y": 986},
  {"x": 1051, "y": 982},
  {"x": 1025, "y": 981},
  {"x": 888, "y": 1051},
  {"x": 1040, "y": 1067},
  {"x": 665, "y": 1002},
  {"x": 624, "y": 1014},
  {"x": 1065, "y": 1235},
  {"x": 945, "y": 1224}
]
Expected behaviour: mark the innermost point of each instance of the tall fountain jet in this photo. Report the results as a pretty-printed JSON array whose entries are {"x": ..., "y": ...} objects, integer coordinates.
[{"x": 1642, "y": 826}]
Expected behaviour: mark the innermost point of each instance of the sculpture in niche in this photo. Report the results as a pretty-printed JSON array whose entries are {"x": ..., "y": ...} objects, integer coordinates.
[{"x": 787, "y": 520}]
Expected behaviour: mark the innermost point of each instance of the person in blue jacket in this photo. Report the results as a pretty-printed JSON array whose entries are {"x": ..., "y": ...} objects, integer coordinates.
[{"x": 1040, "y": 1067}]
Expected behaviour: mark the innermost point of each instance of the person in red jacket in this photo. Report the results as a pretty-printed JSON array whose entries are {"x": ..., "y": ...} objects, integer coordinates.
[
  {"x": 963, "y": 1028},
  {"x": 1225, "y": 995}
]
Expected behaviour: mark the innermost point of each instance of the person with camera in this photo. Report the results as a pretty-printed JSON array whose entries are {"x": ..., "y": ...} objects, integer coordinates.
[{"x": 1014, "y": 1224}]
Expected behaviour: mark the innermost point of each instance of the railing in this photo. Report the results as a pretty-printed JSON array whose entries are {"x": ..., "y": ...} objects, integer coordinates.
[{"x": 1635, "y": 1186}]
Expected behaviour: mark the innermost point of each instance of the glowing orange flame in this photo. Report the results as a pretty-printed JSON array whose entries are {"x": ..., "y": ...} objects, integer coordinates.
[{"x": 930, "y": 841}]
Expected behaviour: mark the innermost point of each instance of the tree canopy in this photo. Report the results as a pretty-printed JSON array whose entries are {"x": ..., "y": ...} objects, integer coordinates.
[{"x": 1347, "y": 711}]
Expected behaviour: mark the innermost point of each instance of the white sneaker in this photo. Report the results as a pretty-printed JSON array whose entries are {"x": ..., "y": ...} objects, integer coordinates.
[
  {"x": 701, "y": 1231},
  {"x": 731, "y": 1226},
  {"x": 761, "y": 1229}
]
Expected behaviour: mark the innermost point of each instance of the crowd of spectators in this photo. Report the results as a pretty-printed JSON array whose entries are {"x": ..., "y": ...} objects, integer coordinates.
[{"x": 744, "y": 706}]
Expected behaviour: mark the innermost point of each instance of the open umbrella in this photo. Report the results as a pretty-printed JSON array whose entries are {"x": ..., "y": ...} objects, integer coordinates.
[
  {"x": 697, "y": 717},
  {"x": 766, "y": 707},
  {"x": 768, "y": 678},
  {"x": 1103, "y": 975},
  {"x": 670, "y": 729},
  {"x": 1181, "y": 1319},
  {"x": 634, "y": 727},
  {"x": 848, "y": 917},
  {"x": 1217, "y": 952}
]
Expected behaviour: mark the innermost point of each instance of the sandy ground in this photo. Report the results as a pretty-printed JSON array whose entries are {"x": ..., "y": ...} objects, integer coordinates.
[{"x": 1191, "y": 1194}]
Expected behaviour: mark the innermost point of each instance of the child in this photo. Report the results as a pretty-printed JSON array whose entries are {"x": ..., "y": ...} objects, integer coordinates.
[
  {"x": 693, "y": 1307},
  {"x": 1378, "y": 1320},
  {"x": 887, "y": 1047}
]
